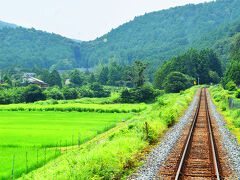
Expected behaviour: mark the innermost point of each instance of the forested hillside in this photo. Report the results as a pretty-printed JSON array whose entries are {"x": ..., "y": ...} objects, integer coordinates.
[
  {"x": 4, "y": 24},
  {"x": 160, "y": 35},
  {"x": 152, "y": 37},
  {"x": 233, "y": 68},
  {"x": 220, "y": 39},
  {"x": 29, "y": 47}
]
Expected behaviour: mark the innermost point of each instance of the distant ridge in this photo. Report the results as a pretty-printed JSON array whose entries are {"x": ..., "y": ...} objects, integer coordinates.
[
  {"x": 162, "y": 34},
  {"x": 152, "y": 37},
  {"x": 4, "y": 24}
]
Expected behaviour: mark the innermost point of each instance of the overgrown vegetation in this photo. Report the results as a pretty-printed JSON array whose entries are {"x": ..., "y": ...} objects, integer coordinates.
[
  {"x": 233, "y": 69},
  {"x": 222, "y": 100}
]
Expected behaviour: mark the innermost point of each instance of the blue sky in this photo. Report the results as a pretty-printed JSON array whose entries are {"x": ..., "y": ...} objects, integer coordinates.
[{"x": 80, "y": 19}]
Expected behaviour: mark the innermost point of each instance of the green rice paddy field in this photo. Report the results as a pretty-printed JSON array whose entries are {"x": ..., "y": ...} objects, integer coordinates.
[{"x": 28, "y": 139}]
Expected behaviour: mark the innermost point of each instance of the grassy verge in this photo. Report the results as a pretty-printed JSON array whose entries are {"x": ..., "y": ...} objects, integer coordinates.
[
  {"x": 232, "y": 116},
  {"x": 113, "y": 155}
]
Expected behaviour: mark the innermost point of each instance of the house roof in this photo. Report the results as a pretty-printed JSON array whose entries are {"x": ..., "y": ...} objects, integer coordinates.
[{"x": 32, "y": 80}]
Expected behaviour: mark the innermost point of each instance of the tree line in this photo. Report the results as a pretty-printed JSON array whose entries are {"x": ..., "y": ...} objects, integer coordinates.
[
  {"x": 232, "y": 73},
  {"x": 203, "y": 66},
  {"x": 80, "y": 84}
]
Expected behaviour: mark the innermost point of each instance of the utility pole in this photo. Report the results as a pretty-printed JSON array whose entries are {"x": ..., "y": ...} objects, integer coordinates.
[{"x": 198, "y": 80}]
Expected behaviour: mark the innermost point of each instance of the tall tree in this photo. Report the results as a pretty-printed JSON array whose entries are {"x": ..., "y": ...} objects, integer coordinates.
[
  {"x": 103, "y": 76},
  {"x": 7, "y": 80},
  {"x": 136, "y": 73},
  {"x": 55, "y": 79},
  {"x": 115, "y": 74},
  {"x": 76, "y": 78},
  {"x": 233, "y": 69},
  {"x": 92, "y": 78},
  {"x": 45, "y": 76}
]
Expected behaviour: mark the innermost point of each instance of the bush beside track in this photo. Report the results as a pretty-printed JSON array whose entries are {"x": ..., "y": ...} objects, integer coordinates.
[{"x": 221, "y": 100}]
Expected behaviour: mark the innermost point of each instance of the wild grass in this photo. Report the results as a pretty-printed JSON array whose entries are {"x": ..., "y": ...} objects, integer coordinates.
[
  {"x": 114, "y": 154},
  {"x": 100, "y": 108},
  {"x": 24, "y": 132},
  {"x": 232, "y": 116},
  {"x": 113, "y": 99}
]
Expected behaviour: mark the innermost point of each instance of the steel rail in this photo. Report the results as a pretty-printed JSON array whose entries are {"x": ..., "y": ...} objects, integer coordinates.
[
  {"x": 212, "y": 140},
  {"x": 189, "y": 139},
  {"x": 187, "y": 145}
]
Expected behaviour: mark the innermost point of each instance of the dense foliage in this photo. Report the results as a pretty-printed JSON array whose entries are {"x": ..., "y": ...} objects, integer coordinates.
[
  {"x": 231, "y": 110},
  {"x": 233, "y": 69},
  {"x": 4, "y": 24},
  {"x": 152, "y": 37},
  {"x": 160, "y": 35},
  {"x": 176, "y": 82},
  {"x": 145, "y": 93},
  {"x": 204, "y": 65},
  {"x": 220, "y": 39},
  {"x": 29, "y": 47},
  {"x": 32, "y": 93}
]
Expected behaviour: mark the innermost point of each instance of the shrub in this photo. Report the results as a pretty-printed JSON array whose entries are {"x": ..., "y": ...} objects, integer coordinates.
[
  {"x": 237, "y": 123},
  {"x": 171, "y": 117},
  {"x": 146, "y": 93},
  {"x": 238, "y": 94},
  {"x": 231, "y": 86},
  {"x": 85, "y": 92},
  {"x": 4, "y": 99},
  {"x": 53, "y": 93},
  {"x": 223, "y": 108},
  {"x": 98, "y": 90},
  {"x": 142, "y": 94},
  {"x": 161, "y": 102},
  {"x": 176, "y": 81},
  {"x": 33, "y": 93},
  {"x": 69, "y": 93},
  {"x": 126, "y": 96}
]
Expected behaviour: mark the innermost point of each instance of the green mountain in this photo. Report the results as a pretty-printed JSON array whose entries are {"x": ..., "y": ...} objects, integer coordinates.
[
  {"x": 4, "y": 24},
  {"x": 160, "y": 35},
  {"x": 220, "y": 39},
  {"x": 152, "y": 37},
  {"x": 29, "y": 47}
]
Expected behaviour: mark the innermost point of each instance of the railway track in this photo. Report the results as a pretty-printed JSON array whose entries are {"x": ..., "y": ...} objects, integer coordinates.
[{"x": 199, "y": 157}]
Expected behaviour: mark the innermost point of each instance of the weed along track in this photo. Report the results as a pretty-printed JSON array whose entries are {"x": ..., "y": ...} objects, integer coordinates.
[{"x": 196, "y": 155}]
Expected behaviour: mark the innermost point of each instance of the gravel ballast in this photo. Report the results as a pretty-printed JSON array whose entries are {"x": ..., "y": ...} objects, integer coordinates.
[
  {"x": 160, "y": 153},
  {"x": 229, "y": 140}
]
